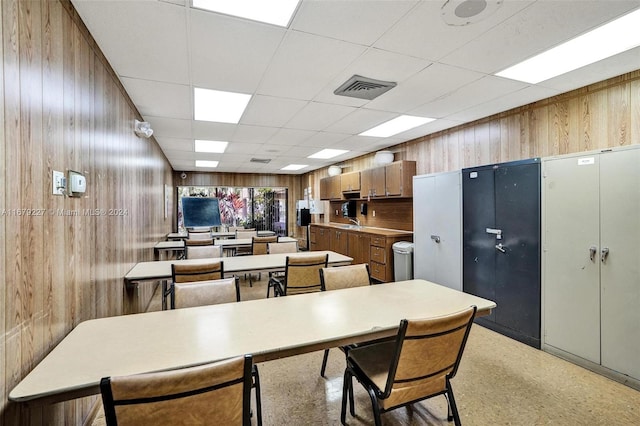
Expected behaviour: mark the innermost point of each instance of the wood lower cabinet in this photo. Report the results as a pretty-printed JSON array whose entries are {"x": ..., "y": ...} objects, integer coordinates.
[
  {"x": 363, "y": 246},
  {"x": 358, "y": 247},
  {"x": 319, "y": 238}
]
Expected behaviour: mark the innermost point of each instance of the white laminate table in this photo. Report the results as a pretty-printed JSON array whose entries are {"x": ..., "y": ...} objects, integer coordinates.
[
  {"x": 161, "y": 270},
  {"x": 165, "y": 340},
  {"x": 167, "y": 246},
  {"x": 185, "y": 235}
]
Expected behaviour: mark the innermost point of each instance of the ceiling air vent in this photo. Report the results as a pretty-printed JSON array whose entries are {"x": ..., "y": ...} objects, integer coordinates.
[
  {"x": 364, "y": 87},
  {"x": 260, "y": 160}
]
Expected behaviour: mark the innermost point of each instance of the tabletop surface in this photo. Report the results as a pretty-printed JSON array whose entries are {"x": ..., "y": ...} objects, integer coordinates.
[
  {"x": 172, "y": 339},
  {"x": 177, "y": 244},
  {"x": 233, "y": 264},
  {"x": 248, "y": 241},
  {"x": 218, "y": 234}
]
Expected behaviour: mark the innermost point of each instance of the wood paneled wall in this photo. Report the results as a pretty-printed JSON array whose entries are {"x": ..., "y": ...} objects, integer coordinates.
[
  {"x": 62, "y": 260},
  {"x": 599, "y": 116},
  {"x": 292, "y": 182}
]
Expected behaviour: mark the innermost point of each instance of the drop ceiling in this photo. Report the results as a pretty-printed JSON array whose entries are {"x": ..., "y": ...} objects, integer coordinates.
[{"x": 161, "y": 50}]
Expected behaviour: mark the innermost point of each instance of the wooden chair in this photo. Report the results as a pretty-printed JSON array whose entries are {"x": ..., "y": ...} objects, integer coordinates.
[
  {"x": 259, "y": 246},
  {"x": 203, "y": 251},
  {"x": 418, "y": 365},
  {"x": 201, "y": 293},
  {"x": 287, "y": 247},
  {"x": 186, "y": 273},
  {"x": 216, "y": 393},
  {"x": 244, "y": 234},
  {"x": 214, "y": 292},
  {"x": 199, "y": 236},
  {"x": 301, "y": 274},
  {"x": 341, "y": 277}
]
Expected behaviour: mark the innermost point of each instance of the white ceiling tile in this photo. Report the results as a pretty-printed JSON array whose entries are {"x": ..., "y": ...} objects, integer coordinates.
[
  {"x": 322, "y": 139},
  {"x": 160, "y": 99},
  {"x": 360, "y": 120},
  {"x": 305, "y": 63},
  {"x": 208, "y": 130},
  {"x": 170, "y": 127},
  {"x": 271, "y": 111},
  {"x": 424, "y": 34},
  {"x": 253, "y": 134},
  {"x": 175, "y": 144},
  {"x": 539, "y": 27},
  {"x": 475, "y": 93},
  {"x": 230, "y": 54},
  {"x": 317, "y": 116},
  {"x": 141, "y": 39},
  {"x": 243, "y": 148},
  {"x": 424, "y": 86},
  {"x": 356, "y": 21},
  {"x": 290, "y": 136}
]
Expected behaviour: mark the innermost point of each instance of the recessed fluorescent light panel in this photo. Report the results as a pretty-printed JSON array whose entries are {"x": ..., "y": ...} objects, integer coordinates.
[
  {"x": 272, "y": 12},
  {"x": 294, "y": 167},
  {"x": 605, "y": 41},
  {"x": 206, "y": 163},
  {"x": 397, "y": 125},
  {"x": 210, "y": 146},
  {"x": 328, "y": 153},
  {"x": 222, "y": 107}
]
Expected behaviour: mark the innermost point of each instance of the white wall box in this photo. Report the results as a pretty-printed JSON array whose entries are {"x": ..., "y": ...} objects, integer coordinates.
[
  {"x": 437, "y": 228},
  {"x": 591, "y": 260}
]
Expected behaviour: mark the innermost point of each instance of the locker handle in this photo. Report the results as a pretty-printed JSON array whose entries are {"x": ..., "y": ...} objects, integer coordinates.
[
  {"x": 435, "y": 238},
  {"x": 592, "y": 253},
  {"x": 604, "y": 254},
  {"x": 500, "y": 248}
]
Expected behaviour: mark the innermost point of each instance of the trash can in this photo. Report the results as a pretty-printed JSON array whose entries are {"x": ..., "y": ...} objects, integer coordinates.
[{"x": 402, "y": 260}]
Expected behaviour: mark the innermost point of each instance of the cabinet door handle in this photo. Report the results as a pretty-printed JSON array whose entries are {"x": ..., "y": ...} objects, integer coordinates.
[
  {"x": 604, "y": 254},
  {"x": 592, "y": 253}
]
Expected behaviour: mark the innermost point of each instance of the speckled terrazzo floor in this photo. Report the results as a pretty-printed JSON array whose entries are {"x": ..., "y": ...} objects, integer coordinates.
[{"x": 500, "y": 382}]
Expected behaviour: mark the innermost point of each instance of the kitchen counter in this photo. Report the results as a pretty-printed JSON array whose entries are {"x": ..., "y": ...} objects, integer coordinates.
[{"x": 366, "y": 229}]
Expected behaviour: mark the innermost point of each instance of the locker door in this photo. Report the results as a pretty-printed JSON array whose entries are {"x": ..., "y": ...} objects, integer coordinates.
[
  {"x": 449, "y": 229},
  {"x": 620, "y": 270},
  {"x": 571, "y": 276},
  {"x": 478, "y": 213},
  {"x": 518, "y": 263},
  {"x": 424, "y": 211}
]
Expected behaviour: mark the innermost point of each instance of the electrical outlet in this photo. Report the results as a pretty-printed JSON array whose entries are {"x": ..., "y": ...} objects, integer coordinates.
[
  {"x": 373, "y": 213},
  {"x": 59, "y": 183}
]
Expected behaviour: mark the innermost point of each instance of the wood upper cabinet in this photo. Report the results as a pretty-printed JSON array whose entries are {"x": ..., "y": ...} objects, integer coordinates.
[
  {"x": 372, "y": 182},
  {"x": 330, "y": 188},
  {"x": 399, "y": 178},
  {"x": 350, "y": 182}
]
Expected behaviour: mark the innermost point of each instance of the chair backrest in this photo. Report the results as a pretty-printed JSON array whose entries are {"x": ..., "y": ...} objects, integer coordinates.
[
  {"x": 234, "y": 228},
  {"x": 259, "y": 244},
  {"x": 199, "y": 242},
  {"x": 199, "y": 236},
  {"x": 341, "y": 277},
  {"x": 427, "y": 354},
  {"x": 203, "y": 252},
  {"x": 199, "y": 229},
  {"x": 302, "y": 273},
  {"x": 201, "y": 293},
  {"x": 288, "y": 247},
  {"x": 217, "y": 393},
  {"x": 246, "y": 233},
  {"x": 183, "y": 273}
]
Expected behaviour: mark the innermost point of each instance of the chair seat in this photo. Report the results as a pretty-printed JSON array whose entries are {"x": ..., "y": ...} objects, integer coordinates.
[{"x": 374, "y": 361}]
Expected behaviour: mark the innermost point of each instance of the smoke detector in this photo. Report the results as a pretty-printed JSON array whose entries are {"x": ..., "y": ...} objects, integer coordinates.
[{"x": 465, "y": 12}]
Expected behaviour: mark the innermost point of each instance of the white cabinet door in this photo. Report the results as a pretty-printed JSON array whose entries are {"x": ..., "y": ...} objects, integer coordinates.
[
  {"x": 570, "y": 258},
  {"x": 437, "y": 230},
  {"x": 620, "y": 270}
]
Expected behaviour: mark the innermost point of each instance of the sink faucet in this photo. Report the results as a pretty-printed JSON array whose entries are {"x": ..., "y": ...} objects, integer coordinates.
[{"x": 356, "y": 221}]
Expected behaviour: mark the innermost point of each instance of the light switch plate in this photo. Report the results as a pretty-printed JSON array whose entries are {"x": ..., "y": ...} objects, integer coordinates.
[{"x": 59, "y": 183}]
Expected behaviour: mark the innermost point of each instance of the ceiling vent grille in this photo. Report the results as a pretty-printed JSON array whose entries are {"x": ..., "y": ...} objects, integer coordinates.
[
  {"x": 261, "y": 160},
  {"x": 364, "y": 87}
]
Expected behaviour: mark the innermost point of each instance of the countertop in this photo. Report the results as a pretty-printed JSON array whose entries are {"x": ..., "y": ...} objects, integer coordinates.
[{"x": 366, "y": 229}]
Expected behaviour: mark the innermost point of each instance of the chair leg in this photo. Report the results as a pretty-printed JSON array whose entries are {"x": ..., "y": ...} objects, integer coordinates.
[
  {"x": 346, "y": 385},
  {"x": 324, "y": 362},
  {"x": 452, "y": 404},
  {"x": 256, "y": 385},
  {"x": 449, "y": 414},
  {"x": 376, "y": 407}
]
